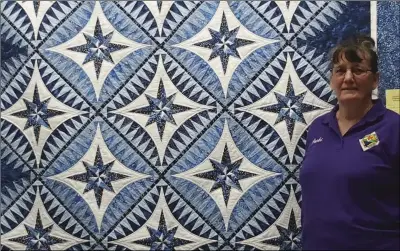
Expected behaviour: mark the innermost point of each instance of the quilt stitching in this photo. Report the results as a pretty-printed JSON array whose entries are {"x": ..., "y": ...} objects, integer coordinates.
[{"x": 205, "y": 156}]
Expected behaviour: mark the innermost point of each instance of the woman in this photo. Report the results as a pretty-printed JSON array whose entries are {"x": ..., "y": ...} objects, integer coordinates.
[{"x": 350, "y": 173}]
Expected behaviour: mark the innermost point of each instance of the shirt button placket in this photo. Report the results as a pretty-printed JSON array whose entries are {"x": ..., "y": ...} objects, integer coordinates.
[{"x": 341, "y": 144}]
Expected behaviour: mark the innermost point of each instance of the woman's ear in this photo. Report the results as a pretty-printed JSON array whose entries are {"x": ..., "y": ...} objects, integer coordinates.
[{"x": 376, "y": 80}]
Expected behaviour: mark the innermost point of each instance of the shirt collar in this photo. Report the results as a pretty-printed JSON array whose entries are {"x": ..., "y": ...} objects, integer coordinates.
[{"x": 377, "y": 110}]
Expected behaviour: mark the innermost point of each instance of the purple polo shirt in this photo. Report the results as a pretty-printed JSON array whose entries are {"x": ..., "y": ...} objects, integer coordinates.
[{"x": 350, "y": 196}]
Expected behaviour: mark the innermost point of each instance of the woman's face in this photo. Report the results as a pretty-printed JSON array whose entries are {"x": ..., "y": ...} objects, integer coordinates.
[{"x": 353, "y": 81}]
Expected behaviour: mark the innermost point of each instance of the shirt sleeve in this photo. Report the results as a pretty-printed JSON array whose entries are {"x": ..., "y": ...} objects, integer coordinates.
[{"x": 394, "y": 147}]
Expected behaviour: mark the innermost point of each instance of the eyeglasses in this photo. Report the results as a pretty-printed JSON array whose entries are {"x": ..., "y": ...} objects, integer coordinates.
[{"x": 356, "y": 71}]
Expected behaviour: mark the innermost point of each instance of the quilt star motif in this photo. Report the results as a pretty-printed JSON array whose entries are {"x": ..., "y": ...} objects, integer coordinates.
[
  {"x": 94, "y": 49},
  {"x": 37, "y": 113},
  {"x": 228, "y": 43},
  {"x": 224, "y": 43},
  {"x": 38, "y": 238},
  {"x": 98, "y": 48},
  {"x": 98, "y": 176},
  {"x": 225, "y": 174}
]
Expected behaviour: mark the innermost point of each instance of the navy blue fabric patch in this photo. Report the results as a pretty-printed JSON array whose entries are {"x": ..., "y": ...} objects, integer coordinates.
[{"x": 388, "y": 46}]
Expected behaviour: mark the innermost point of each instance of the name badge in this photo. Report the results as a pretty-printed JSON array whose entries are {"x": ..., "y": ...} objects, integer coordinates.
[{"x": 369, "y": 141}]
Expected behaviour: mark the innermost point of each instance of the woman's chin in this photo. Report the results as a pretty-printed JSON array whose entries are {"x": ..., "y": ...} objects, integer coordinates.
[{"x": 349, "y": 97}]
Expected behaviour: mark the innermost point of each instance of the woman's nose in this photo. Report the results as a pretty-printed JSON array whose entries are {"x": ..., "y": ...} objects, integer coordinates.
[{"x": 348, "y": 76}]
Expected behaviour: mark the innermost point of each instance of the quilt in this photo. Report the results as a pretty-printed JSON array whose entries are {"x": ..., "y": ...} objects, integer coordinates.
[{"x": 167, "y": 125}]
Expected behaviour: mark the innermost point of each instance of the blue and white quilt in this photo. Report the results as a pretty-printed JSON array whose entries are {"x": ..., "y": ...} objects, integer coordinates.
[{"x": 162, "y": 125}]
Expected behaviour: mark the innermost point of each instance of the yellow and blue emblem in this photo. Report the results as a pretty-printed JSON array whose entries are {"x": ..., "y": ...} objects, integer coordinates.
[{"x": 369, "y": 141}]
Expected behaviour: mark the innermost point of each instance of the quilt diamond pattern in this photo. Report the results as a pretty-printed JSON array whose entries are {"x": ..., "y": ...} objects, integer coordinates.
[{"x": 161, "y": 125}]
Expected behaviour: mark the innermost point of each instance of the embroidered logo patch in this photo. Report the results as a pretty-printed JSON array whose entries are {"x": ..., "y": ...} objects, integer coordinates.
[
  {"x": 317, "y": 140},
  {"x": 369, "y": 141}
]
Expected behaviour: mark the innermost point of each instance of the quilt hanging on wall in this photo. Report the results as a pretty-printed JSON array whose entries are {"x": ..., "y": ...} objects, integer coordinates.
[{"x": 154, "y": 125}]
